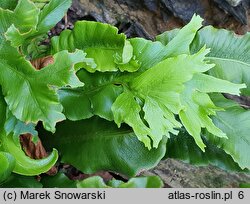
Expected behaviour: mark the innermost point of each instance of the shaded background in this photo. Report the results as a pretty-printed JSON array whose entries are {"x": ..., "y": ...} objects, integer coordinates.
[{"x": 147, "y": 18}]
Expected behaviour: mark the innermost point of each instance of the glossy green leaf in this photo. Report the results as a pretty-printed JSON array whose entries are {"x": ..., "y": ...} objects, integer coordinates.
[
  {"x": 183, "y": 147},
  {"x": 8, "y": 4},
  {"x": 95, "y": 98},
  {"x": 25, "y": 165},
  {"x": 15, "y": 37},
  {"x": 51, "y": 14},
  {"x": 6, "y": 19},
  {"x": 92, "y": 182},
  {"x": 12, "y": 125},
  {"x": 184, "y": 37},
  {"x": 159, "y": 88},
  {"x": 29, "y": 93},
  {"x": 229, "y": 52},
  {"x": 35, "y": 49},
  {"x": 27, "y": 24},
  {"x": 7, "y": 162},
  {"x": 100, "y": 41},
  {"x": 76, "y": 104},
  {"x": 26, "y": 16},
  {"x": 18, "y": 181},
  {"x": 126, "y": 109},
  {"x": 2, "y": 110},
  {"x": 150, "y": 53},
  {"x": 138, "y": 182},
  {"x": 60, "y": 180},
  {"x": 199, "y": 107},
  {"x": 147, "y": 53},
  {"x": 234, "y": 121},
  {"x": 24, "y": 21},
  {"x": 102, "y": 146},
  {"x": 164, "y": 91},
  {"x": 11, "y": 145},
  {"x": 167, "y": 36},
  {"x": 17, "y": 127},
  {"x": 244, "y": 185}
]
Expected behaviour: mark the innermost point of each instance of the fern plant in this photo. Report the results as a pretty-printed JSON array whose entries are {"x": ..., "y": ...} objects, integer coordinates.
[{"x": 108, "y": 103}]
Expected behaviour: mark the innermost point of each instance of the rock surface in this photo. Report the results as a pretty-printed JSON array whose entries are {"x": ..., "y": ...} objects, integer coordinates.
[
  {"x": 147, "y": 18},
  {"x": 177, "y": 174}
]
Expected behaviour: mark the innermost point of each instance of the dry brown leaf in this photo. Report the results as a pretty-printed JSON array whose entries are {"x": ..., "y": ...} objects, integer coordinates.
[
  {"x": 75, "y": 174},
  {"x": 42, "y": 62},
  {"x": 35, "y": 151}
]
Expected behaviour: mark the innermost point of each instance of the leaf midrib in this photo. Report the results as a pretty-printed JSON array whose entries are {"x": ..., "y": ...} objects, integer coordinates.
[
  {"x": 95, "y": 136},
  {"x": 229, "y": 59},
  {"x": 26, "y": 80}
]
